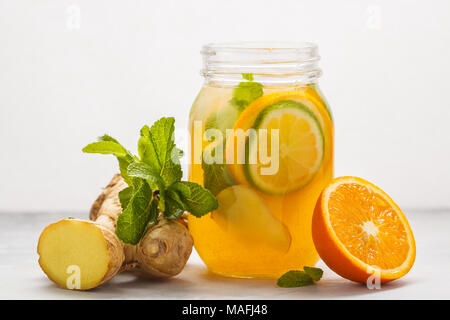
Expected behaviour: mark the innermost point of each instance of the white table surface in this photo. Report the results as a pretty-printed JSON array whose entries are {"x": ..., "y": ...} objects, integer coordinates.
[{"x": 22, "y": 278}]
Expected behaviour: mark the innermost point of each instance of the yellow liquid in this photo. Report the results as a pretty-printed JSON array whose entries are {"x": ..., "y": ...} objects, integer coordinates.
[{"x": 225, "y": 253}]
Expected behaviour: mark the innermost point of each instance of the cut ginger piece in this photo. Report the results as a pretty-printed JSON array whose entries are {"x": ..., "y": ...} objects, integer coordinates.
[
  {"x": 79, "y": 254},
  {"x": 242, "y": 213}
]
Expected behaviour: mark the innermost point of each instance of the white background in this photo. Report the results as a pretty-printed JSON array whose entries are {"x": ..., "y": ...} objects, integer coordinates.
[{"x": 73, "y": 70}]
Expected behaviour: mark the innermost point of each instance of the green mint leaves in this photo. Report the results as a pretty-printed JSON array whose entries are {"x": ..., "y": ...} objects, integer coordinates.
[
  {"x": 196, "y": 199},
  {"x": 216, "y": 176},
  {"x": 246, "y": 92},
  {"x": 108, "y": 145},
  {"x": 315, "y": 273},
  {"x": 157, "y": 148},
  {"x": 296, "y": 278},
  {"x": 154, "y": 181},
  {"x": 247, "y": 76},
  {"x": 139, "y": 211}
]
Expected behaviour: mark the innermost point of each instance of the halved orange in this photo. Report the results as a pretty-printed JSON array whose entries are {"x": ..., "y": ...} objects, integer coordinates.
[{"x": 360, "y": 232}]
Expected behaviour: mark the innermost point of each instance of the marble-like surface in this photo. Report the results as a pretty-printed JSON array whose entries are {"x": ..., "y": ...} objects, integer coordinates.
[{"x": 21, "y": 277}]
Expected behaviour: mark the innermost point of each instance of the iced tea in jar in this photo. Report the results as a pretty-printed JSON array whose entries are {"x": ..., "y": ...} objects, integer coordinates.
[{"x": 262, "y": 143}]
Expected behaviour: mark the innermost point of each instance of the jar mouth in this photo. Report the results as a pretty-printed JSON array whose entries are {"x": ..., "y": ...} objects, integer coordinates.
[
  {"x": 259, "y": 45},
  {"x": 281, "y": 61}
]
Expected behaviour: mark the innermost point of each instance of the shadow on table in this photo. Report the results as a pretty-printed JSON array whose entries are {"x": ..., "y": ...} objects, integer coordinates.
[
  {"x": 127, "y": 285},
  {"x": 196, "y": 282},
  {"x": 327, "y": 288}
]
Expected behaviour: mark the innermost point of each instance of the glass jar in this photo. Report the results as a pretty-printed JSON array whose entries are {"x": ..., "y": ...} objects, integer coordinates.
[{"x": 262, "y": 143}]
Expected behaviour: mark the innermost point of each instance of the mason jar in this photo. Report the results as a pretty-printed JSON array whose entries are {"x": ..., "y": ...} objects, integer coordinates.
[{"x": 262, "y": 143}]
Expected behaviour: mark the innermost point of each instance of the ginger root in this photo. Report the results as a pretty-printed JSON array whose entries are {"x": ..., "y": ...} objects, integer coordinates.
[{"x": 82, "y": 254}]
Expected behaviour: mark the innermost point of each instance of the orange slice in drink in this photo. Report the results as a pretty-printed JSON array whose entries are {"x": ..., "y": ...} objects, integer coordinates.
[{"x": 360, "y": 232}]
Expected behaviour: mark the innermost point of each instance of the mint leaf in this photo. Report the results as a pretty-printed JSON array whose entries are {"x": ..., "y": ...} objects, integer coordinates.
[
  {"x": 314, "y": 273},
  {"x": 181, "y": 188},
  {"x": 246, "y": 92},
  {"x": 157, "y": 149},
  {"x": 174, "y": 205},
  {"x": 125, "y": 196},
  {"x": 145, "y": 171},
  {"x": 175, "y": 197},
  {"x": 106, "y": 147},
  {"x": 129, "y": 156},
  {"x": 147, "y": 151},
  {"x": 106, "y": 137},
  {"x": 247, "y": 76},
  {"x": 216, "y": 176},
  {"x": 200, "y": 201},
  {"x": 161, "y": 135},
  {"x": 109, "y": 145},
  {"x": 133, "y": 221},
  {"x": 124, "y": 162},
  {"x": 154, "y": 212},
  {"x": 145, "y": 131},
  {"x": 294, "y": 278}
]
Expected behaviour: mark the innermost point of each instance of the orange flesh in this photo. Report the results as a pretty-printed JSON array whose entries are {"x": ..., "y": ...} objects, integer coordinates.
[{"x": 368, "y": 226}]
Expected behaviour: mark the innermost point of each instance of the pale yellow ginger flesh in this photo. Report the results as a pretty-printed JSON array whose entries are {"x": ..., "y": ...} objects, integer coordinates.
[
  {"x": 82, "y": 254},
  {"x": 78, "y": 254}
]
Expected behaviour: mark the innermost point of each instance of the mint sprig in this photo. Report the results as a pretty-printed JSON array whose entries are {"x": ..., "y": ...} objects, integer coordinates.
[
  {"x": 246, "y": 92},
  {"x": 157, "y": 149},
  {"x": 154, "y": 181},
  {"x": 138, "y": 212},
  {"x": 197, "y": 199},
  {"x": 297, "y": 278},
  {"x": 108, "y": 145},
  {"x": 216, "y": 176}
]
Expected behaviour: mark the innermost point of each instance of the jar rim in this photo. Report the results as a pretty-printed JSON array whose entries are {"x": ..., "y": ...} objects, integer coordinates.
[
  {"x": 271, "y": 62},
  {"x": 259, "y": 46}
]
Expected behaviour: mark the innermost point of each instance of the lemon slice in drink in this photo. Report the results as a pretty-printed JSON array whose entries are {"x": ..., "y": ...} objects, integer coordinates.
[{"x": 300, "y": 148}]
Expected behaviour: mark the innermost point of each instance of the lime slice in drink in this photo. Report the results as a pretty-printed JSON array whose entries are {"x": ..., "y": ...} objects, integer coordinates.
[{"x": 300, "y": 148}]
